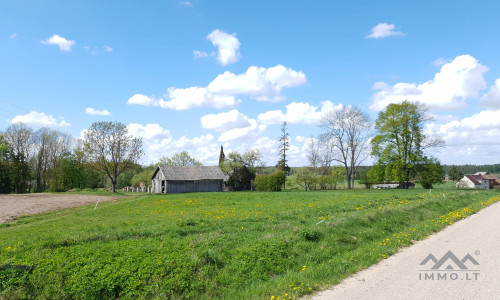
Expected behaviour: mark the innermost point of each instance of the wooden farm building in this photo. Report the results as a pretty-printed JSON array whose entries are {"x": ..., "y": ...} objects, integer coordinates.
[{"x": 177, "y": 179}]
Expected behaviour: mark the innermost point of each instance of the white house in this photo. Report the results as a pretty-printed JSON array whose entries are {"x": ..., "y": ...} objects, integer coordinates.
[{"x": 480, "y": 180}]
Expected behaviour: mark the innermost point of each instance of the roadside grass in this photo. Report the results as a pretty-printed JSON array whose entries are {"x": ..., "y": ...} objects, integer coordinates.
[{"x": 242, "y": 245}]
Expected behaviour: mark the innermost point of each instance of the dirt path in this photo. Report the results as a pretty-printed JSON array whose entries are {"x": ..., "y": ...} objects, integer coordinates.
[
  {"x": 402, "y": 276},
  {"x": 12, "y": 206}
]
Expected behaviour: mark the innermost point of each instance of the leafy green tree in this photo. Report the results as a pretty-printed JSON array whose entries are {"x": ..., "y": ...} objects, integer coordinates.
[
  {"x": 240, "y": 178},
  {"x": 270, "y": 183},
  {"x": 431, "y": 172},
  {"x": 400, "y": 141},
  {"x": 305, "y": 178},
  {"x": 5, "y": 167},
  {"x": 143, "y": 177},
  {"x": 180, "y": 159},
  {"x": 455, "y": 174},
  {"x": 109, "y": 148}
]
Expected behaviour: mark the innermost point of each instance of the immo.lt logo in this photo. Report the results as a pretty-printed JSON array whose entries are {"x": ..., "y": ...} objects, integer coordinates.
[{"x": 449, "y": 267}]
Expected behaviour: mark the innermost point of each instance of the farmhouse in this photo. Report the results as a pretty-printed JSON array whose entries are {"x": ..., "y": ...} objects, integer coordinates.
[
  {"x": 480, "y": 180},
  {"x": 178, "y": 179}
]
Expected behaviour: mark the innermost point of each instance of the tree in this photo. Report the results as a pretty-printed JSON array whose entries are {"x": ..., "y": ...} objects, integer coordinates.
[
  {"x": 252, "y": 159},
  {"x": 109, "y": 148},
  {"x": 143, "y": 177},
  {"x": 284, "y": 145},
  {"x": 400, "y": 141},
  {"x": 346, "y": 132},
  {"x": 5, "y": 167},
  {"x": 240, "y": 178},
  {"x": 19, "y": 138},
  {"x": 455, "y": 174},
  {"x": 180, "y": 159},
  {"x": 305, "y": 178},
  {"x": 222, "y": 156},
  {"x": 430, "y": 172},
  {"x": 313, "y": 153}
]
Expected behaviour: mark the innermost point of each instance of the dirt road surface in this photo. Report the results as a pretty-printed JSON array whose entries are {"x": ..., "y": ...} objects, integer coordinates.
[
  {"x": 402, "y": 276},
  {"x": 13, "y": 206}
]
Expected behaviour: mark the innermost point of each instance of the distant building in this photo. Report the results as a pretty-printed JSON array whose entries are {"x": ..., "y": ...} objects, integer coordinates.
[
  {"x": 391, "y": 185},
  {"x": 480, "y": 180},
  {"x": 178, "y": 179}
]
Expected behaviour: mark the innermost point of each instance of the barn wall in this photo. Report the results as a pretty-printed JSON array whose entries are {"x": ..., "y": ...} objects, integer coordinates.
[{"x": 194, "y": 186}]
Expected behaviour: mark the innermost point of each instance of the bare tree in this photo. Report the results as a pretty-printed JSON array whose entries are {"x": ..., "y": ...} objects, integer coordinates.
[
  {"x": 346, "y": 133},
  {"x": 109, "y": 148},
  {"x": 313, "y": 153}
]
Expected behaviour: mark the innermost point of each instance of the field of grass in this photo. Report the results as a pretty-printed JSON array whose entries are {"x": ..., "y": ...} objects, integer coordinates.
[{"x": 242, "y": 245}]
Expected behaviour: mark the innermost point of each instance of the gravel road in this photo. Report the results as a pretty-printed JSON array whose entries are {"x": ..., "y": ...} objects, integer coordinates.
[{"x": 402, "y": 276}]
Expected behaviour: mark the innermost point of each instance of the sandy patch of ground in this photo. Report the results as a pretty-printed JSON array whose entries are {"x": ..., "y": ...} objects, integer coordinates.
[{"x": 12, "y": 206}]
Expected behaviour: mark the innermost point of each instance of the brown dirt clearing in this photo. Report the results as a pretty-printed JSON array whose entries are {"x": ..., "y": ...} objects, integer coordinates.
[{"x": 13, "y": 206}]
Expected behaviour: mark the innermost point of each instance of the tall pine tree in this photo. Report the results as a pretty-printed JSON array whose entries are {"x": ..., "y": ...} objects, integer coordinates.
[{"x": 222, "y": 156}]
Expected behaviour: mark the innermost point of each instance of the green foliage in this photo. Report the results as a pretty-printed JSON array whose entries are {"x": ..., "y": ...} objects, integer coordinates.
[
  {"x": 284, "y": 145},
  {"x": 400, "y": 140},
  {"x": 305, "y": 178},
  {"x": 240, "y": 179},
  {"x": 180, "y": 159},
  {"x": 270, "y": 183},
  {"x": 109, "y": 148},
  {"x": 222, "y": 157},
  {"x": 455, "y": 174},
  {"x": 5, "y": 167},
  {"x": 431, "y": 172},
  {"x": 219, "y": 245}
]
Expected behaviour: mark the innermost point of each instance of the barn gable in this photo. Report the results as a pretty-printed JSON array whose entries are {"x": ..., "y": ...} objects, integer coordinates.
[{"x": 179, "y": 179}]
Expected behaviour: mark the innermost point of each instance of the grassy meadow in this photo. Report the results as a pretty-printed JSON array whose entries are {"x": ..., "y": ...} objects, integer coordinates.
[{"x": 241, "y": 245}]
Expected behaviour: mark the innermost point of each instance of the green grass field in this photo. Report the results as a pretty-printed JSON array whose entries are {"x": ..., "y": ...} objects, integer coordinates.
[{"x": 242, "y": 245}]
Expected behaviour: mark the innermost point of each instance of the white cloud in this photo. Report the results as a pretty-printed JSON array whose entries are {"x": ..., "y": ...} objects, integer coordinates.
[
  {"x": 456, "y": 81},
  {"x": 440, "y": 61},
  {"x": 250, "y": 132},
  {"x": 94, "y": 112},
  {"x": 263, "y": 84},
  {"x": 40, "y": 120},
  {"x": 107, "y": 48},
  {"x": 227, "y": 45},
  {"x": 159, "y": 142},
  {"x": 62, "y": 43},
  {"x": 13, "y": 36},
  {"x": 298, "y": 113},
  {"x": 141, "y": 100},
  {"x": 383, "y": 30},
  {"x": 482, "y": 133},
  {"x": 225, "y": 121},
  {"x": 199, "y": 54},
  {"x": 492, "y": 98}
]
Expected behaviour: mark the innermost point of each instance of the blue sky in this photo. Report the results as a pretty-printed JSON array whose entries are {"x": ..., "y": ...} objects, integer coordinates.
[{"x": 194, "y": 75}]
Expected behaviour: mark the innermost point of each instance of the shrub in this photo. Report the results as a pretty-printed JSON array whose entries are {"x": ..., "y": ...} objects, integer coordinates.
[{"x": 270, "y": 183}]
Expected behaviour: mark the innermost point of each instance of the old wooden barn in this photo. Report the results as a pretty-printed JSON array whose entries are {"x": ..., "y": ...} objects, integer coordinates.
[{"x": 177, "y": 179}]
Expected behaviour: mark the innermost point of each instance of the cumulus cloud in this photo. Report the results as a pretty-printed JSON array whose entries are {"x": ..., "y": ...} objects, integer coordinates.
[
  {"x": 456, "y": 81},
  {"x": 227, "y": 45},
  {"x": 383, "y": 30},
  {"x": 159, "y": 142},
  {"x": 492, "y": 98},
  {"x": 481, "y": 131},
  {"x": 40, "y": 120},
  {"x": 62, "y": 43},
  {"x": 262, "y": 84},
  {"x": 250, "y": 132},
  {"x": 225, "y": 121},
  {"x": 94, "y": 112},
  {"x": 107, "y": 48},
  {"x": 298, "y": 113}
]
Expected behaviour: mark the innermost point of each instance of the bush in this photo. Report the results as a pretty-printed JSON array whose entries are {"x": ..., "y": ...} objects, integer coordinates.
[{"x": 270, "y": 183}]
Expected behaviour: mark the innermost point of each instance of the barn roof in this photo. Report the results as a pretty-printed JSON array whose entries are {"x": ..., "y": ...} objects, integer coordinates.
[{"x": 190, "y": 172}]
